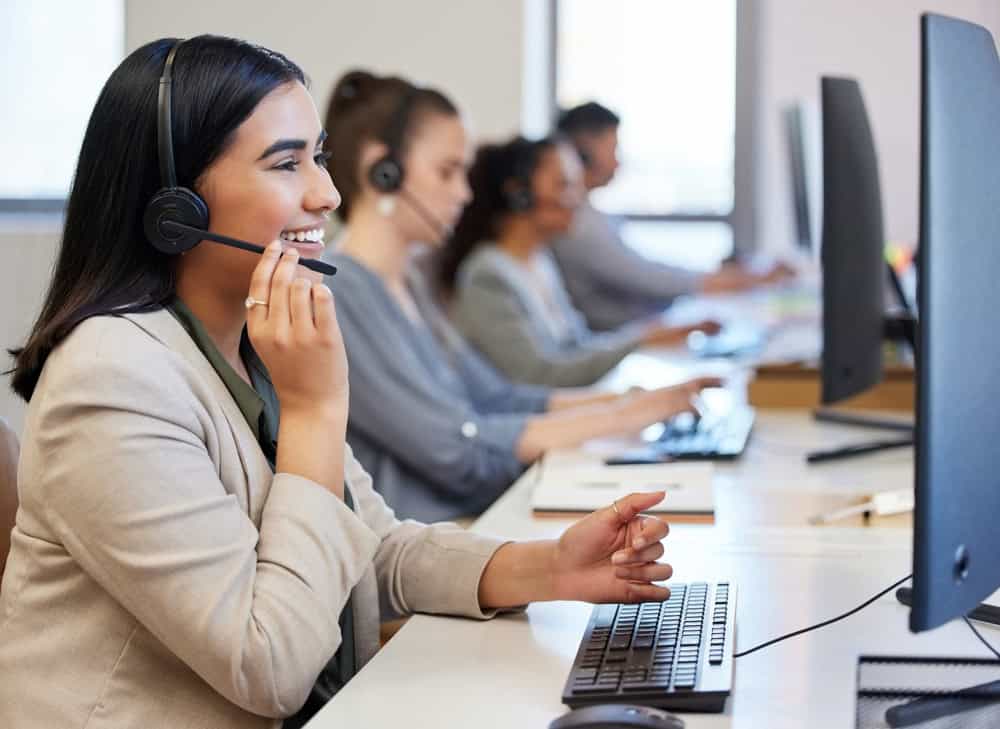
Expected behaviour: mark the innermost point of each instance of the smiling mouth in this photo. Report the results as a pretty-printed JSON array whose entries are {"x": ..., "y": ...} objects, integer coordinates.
[{"x": 313, "y": 235}]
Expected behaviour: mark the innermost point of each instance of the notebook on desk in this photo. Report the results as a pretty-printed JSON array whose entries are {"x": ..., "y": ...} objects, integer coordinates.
[{"x": 584, "y": 488}]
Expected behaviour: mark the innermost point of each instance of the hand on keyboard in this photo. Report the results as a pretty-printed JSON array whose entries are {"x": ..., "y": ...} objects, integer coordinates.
[{"x": 610, "y": 555}]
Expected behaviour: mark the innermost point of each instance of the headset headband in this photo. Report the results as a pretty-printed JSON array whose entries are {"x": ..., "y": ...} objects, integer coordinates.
[
  {"x": 396, "y": 128},
  {"x": 164, "y": 131}
]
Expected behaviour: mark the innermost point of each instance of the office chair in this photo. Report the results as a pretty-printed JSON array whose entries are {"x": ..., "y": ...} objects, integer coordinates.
[{"x": 9, "y": 450}]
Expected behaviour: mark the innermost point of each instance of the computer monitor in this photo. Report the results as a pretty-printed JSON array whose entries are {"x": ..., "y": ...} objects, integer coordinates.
[
  {"x": 795, "y": 136},
  {"x": 855, "y": 270},
  {"x": 956, "y": 539},
  {"x": 852, "y": 245}
]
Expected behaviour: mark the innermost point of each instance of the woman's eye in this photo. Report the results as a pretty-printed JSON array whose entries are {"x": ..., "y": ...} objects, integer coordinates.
[
  {"x": 289, "y": 165},
  {"x": 322, "y": 158}
]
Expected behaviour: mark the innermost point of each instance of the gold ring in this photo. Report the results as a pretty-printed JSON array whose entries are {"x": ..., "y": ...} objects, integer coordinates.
[
  {"x": 250, "y": 302},
  {"x": 614, "y": 505}
]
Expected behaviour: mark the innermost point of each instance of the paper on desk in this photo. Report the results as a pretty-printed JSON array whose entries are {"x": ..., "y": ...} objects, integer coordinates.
[{"x": 593, "y": 486}]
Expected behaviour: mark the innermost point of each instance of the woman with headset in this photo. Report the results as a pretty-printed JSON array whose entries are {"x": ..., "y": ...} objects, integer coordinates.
[
  {"x": 195, "y": 544},
  {"x": 508, "y": 296},
  {"x": 442, "y": 433}
]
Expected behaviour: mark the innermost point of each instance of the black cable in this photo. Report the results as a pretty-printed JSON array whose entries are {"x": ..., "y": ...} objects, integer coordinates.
[
  {"x": 862, "y": 606},
  {"x": 439, "y": 227},
  {"x": 979, "y": 635}
]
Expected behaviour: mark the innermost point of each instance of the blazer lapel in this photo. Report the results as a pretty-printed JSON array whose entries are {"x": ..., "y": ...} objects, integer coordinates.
[{"x": 257, "y": 474}]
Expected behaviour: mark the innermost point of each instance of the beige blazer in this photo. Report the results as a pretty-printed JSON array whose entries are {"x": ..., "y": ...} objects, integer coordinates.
[{"x": 161, "y": 576}]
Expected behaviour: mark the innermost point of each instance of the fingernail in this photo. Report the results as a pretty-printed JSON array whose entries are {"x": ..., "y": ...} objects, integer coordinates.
[
  {"x": 638, "y": 543},
  {"x": 274, "y": 246},
  {"x": 292, "y": 253},
  {"x": 618, "y": 557}
]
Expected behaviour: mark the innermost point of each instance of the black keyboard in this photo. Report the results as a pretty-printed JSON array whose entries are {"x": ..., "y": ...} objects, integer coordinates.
[
  {"x": 709, "y": 437},
  {"x": 676, "y": 654},
  {"x": 685, "y": 438}
]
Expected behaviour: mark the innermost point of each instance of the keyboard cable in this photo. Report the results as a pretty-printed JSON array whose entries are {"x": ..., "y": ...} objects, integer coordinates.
[
  {"x": 979, "y": 635},
  {"x": 831, "y": 621}
]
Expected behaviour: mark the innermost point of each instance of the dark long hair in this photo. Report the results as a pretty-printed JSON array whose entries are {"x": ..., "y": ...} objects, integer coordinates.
[
  {"x": 496, "y": 169},
  {"x": 363, "y": 107},
  {"x": 105, "y": 264}
]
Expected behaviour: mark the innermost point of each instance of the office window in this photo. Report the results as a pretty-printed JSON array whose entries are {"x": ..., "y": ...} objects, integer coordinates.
[
  {"x": 668, "y": 69},
  {"x": 54, "y": 58}
]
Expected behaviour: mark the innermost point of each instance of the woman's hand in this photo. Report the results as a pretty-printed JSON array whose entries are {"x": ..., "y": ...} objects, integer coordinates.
[
  {"x": 297, "y": 337},
  {"x": 610, "y": 555},
  {"x": 296, "y": 334},
  {"x": 644, "y": 408},
  {"x": 659, "y": 335}
]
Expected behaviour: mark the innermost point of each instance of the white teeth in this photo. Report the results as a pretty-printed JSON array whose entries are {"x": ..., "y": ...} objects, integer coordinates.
[{"x": 315, "y": 235}]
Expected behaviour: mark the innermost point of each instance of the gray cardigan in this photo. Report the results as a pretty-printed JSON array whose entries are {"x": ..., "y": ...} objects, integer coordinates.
[
  {"x": 610, "y": 283},
  {"x": 499, "y": 312},
  {"x": 434, "y": 425}
]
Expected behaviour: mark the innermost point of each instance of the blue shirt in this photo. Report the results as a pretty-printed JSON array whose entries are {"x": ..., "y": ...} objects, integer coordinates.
[
  {"x": 609, "y": 282},
  {"x": 430, "y": 420}
]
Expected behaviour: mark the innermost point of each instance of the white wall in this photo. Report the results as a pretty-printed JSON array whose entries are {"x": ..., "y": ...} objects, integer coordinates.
[
  {"x": 471, "y": 50},
  {"x": 28, "y": 246},
  {"x": 478, "y": 52},
  {"x": 876, "y": 41}
]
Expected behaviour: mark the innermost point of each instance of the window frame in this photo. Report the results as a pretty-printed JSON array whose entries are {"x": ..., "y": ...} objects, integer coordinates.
[
  {"x": 740, "y": 219},
  {"x": 56, "y": 206}
]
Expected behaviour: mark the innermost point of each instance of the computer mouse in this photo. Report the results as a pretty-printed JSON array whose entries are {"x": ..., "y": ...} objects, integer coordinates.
[{"x": 617, "y": 716}]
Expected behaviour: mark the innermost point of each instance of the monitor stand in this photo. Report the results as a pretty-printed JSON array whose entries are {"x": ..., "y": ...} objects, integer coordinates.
[
  {"x": 896, "y": 327},
  {"x": 927, "y": 709}
]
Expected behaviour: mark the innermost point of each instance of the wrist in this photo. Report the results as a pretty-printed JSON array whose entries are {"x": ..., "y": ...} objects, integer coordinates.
[
  {"x": 557, "y": 574},
  {"x": 519, "y": 573},
  {"x": 328, "y": 410},
  {"x": 633, "y": 408}
]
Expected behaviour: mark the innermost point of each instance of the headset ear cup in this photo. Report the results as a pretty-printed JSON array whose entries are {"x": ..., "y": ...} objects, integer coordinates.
[
  {"x": 519, "y": 199},
  {"x": 175, "y": 204},
  {"x": 386, "y": 175}
]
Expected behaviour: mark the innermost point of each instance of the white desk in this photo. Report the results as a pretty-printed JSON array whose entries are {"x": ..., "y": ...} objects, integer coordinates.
[
  {"x": 446, "y": 672},
  {"x": 509, "y": 673}
]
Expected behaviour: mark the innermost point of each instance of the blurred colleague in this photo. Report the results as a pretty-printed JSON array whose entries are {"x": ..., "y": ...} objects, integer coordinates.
[
  {"x": 609, "y": 282},
  {"x": 507, "y": 295},
  {"x": 442, "y": 432}
]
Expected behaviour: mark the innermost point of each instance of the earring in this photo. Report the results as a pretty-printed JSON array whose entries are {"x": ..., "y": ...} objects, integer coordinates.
[{"x": 386, "y": 205}]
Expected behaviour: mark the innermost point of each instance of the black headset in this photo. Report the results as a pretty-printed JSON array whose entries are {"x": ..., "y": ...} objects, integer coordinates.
[
  {"x": 176, "y": 218},
  {"x": 519, "y": 196},
  {"x": 171, "y": 203},
  {"x": 387, "y": 174}
]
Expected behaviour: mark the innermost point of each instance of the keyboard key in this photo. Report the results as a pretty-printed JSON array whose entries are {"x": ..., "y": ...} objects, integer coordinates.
[
  {"x": 589, "y": 690},
  {"x": 650, "y": 685},
  {"x": 620, "y": 642}
]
